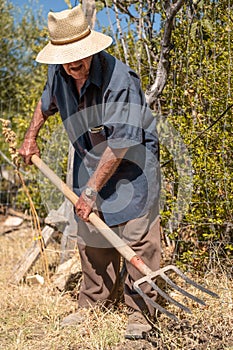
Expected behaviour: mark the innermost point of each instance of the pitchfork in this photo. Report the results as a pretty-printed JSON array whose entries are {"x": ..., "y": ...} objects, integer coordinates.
[{"x": 149, "y": 275}]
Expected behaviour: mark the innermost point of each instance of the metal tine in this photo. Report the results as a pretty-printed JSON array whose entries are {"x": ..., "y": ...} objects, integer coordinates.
[
  {"x": 188, "y": 280},
  {"x": 148, "y": 279},
  {"x": 168, "y": 298},
  {"x": 181, "y": 290},
  {"x": 162, "y": 293},
  {"x": 154, "y": 304}
]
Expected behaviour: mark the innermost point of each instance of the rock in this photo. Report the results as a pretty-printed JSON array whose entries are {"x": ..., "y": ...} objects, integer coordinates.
[
  {"x": 13, "y": 221},
  {"x": 35, "y": 279},
  {"x": 65, "y": 270}
]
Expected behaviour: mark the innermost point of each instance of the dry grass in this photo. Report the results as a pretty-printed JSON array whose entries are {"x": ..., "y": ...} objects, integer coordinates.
[{"x": 30, "y": 314}]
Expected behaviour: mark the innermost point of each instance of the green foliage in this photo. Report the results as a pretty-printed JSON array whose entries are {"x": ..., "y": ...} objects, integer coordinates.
[
  {"x": 198, "y": 92},
  {"x": 22, "y": 81}
]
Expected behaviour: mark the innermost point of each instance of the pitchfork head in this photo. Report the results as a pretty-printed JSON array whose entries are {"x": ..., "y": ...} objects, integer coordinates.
[{"x": 161, "y": 273}]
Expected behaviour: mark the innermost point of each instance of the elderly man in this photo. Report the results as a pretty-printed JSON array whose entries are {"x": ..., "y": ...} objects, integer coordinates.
[{"x": 116, "y": 167}]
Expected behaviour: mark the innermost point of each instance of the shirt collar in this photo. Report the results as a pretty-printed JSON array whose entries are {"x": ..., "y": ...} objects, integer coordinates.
[{"x": 95, "y": 75}]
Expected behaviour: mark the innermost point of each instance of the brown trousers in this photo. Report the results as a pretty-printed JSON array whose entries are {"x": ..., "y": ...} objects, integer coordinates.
[{"x": 101, "y": 263}]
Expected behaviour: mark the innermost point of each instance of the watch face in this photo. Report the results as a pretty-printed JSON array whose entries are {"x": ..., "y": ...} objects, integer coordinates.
[{"x": 88, "y": 192}]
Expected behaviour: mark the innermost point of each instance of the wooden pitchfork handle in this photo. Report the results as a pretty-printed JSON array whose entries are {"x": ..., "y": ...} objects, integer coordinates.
[{"x": 105, "y": 230}]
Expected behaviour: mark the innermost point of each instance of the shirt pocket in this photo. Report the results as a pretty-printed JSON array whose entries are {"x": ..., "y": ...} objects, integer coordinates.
[{"x": 97, "y": 136}]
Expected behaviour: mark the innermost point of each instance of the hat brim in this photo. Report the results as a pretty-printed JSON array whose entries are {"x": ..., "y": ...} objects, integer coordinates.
[{"x": 66, "y": 53}]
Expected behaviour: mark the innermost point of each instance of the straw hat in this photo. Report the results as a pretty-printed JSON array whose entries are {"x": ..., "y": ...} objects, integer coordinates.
[{"x": 71, "y": 39}]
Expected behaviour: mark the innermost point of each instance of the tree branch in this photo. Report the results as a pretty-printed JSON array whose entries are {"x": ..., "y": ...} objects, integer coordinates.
[
  {"x": 120, "y": 32},
  {"x": 152, "y": 95},
  {"x": 125, "y": 10},
  {"x": 89, "y": 8}
]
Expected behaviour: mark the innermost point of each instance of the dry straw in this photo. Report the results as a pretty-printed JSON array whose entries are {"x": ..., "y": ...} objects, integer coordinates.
[{"x": 10, "y": 138}]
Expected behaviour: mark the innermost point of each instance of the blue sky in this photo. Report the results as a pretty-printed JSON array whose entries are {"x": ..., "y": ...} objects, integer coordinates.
[
  {"x": 54, "y": 5},
  {"x": 58, "y": 5}
]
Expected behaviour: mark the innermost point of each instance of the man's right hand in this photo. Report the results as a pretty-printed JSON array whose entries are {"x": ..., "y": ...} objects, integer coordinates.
[{"x": 28, "y": 148}]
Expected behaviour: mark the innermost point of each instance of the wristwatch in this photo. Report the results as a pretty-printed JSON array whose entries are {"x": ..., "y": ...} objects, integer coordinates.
[{"x": 90, "y": 192}]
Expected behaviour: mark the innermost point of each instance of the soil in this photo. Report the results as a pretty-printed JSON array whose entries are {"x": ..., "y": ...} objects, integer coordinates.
[{"x": 31, "y": 313}]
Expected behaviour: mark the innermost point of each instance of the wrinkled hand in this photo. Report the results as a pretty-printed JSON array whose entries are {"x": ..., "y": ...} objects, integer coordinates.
[
  {"x": 84, "y": 206},
  {"x": 28, "y": 148}
]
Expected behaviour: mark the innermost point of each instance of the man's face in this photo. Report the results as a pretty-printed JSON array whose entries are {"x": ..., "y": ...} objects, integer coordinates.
[{"x": 79, "y": 70}]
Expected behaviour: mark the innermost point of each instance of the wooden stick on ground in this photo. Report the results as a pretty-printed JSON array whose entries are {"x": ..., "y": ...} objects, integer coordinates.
[{"x": 30, "y": 257}]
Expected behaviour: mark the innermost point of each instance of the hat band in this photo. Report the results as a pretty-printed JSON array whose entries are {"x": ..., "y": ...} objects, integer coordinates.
[{"x": 72, "y": 40}]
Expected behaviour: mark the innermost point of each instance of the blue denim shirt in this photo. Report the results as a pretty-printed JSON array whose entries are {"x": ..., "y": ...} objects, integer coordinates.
[{"x": 113, "y": 100}]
